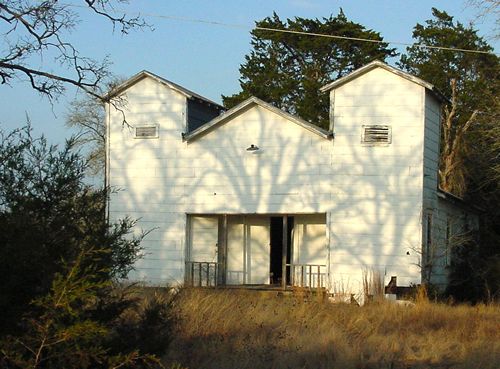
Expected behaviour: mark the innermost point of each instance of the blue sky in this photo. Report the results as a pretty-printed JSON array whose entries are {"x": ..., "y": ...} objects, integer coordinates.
[{"x": 204, "y": 58}]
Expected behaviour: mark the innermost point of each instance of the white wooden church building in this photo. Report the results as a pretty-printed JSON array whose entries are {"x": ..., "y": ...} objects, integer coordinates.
[{"x": 256, "y": 196}]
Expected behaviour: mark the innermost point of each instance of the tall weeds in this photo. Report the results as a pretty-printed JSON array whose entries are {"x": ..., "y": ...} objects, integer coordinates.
[
  {"x": 373, "y": 285},
  {"x": 249, "y": 329}
]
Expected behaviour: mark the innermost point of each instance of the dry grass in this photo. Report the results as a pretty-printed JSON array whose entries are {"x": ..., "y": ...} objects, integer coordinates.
[{"x": 249, "y": 329}]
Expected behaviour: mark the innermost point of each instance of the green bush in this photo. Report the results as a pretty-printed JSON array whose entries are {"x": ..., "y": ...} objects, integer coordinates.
[{"x": 62, "y": 302}]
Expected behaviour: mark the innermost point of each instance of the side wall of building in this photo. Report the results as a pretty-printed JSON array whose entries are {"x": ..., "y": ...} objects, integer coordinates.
[
  {"x": 453, "y": 226},
  {"x": 431, "y": 150},
  {"x": 432, "y": 214}
]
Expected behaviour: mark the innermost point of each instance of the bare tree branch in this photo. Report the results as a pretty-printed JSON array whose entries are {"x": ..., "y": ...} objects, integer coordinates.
[
  {"x": 37, "y": 28},
  {"x": 451, "y": 172}
]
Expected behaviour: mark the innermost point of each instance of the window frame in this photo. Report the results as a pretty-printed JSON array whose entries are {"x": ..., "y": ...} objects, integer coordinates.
[{"x": 428, "y": 244}]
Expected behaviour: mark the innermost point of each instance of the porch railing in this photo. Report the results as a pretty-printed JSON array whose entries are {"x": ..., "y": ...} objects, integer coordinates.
[
  {"x": 201, "y": 274},
  {"x": 307, "y": 275}
]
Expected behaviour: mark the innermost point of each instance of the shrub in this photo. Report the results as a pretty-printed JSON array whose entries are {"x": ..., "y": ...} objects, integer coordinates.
[{"x": 62, "y": 303}]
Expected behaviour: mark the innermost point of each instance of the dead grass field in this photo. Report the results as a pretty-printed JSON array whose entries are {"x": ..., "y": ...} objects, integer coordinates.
[{"x": 249, "y": 329}]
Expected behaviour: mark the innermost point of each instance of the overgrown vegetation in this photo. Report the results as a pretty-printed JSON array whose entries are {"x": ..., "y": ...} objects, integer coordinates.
[
  {"x": 62, "y": 302},
  {"x": 248, "y": 329}
]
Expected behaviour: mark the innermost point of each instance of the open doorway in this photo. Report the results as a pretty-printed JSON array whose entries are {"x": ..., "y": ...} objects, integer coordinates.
[{"x": 276, "y": 246}]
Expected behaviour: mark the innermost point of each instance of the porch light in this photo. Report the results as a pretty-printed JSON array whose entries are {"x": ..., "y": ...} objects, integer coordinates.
[{"x": 252, "y": 147}]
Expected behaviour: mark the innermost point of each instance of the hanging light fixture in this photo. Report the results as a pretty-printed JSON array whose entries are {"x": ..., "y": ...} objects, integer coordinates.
[{"x": 252, "y": 147}]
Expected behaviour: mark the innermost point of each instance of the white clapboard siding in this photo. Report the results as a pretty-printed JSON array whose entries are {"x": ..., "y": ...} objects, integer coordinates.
[
  {"x": 431, "y": 152},
  {"x": 379, "y": 187},
  {"x": 373, "y": 195}
]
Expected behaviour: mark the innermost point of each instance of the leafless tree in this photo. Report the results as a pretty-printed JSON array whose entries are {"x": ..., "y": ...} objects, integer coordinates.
[
  {"x": 488, "y": 8},
  {"x": 31, "y": 28},
  {"x": 87, "y": 115},
  {"x": 451, "y": 171}
]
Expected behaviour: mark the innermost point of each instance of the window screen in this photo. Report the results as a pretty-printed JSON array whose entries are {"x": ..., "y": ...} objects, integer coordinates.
[{"x": 146, "y": 131}]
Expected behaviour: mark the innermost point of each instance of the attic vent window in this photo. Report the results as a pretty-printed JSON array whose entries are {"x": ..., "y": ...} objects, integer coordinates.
[
  {"x": 376, "y": 135},
  {"x": 146, "y": 131}
]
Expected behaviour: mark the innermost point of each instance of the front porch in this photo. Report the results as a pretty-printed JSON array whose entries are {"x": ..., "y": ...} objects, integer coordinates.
[{"x": 276, "y": 251}]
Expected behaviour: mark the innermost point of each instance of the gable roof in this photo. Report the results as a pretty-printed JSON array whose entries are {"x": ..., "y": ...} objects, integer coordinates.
[
  {"x": 247, "y": 104},
  {"x": 174, "y": 86},
  {"x": 378, "y": 64}
]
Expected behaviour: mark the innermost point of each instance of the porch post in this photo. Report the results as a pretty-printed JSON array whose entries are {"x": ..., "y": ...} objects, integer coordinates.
[
  {"x": 285, "y": 243},
  {"x": 222, "y": 251}
]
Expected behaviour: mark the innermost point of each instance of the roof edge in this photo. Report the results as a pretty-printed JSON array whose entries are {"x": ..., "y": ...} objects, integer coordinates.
[
  {"x": 246, "y": 104},
  {"x": 379, "y": 64},
  {"x": 448, "y": 196},
  {"x": 174, "y": 86}
]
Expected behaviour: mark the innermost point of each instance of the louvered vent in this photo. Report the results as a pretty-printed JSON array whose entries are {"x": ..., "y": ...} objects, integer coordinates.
[
  {"x": 146, "y": 132},
  {"x": 376, "y": 134}
]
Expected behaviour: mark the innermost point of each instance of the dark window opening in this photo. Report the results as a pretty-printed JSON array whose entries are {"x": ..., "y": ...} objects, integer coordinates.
[
  {"x": 428, "y": 238},
  {"x": 276, "y": 263},
  {"x": 199, "y": 113}
]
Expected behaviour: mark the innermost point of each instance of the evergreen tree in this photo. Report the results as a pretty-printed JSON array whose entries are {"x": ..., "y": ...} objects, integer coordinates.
[
  {"x": 287, "y": 69},
  {"x": 470, "y": 80}
]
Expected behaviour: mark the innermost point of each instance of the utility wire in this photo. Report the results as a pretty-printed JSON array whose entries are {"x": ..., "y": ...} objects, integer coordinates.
[
  {"x": 304, "y": 33},
  {"x": 312, "y": 34},
  {"x": 373, "y": 41}
]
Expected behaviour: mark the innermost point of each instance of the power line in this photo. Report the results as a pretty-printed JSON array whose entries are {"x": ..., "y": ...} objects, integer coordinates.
[
  {"x": 372, "y": 41},
  {"x": 304, "y": 33},
  {"x": 313, "y": 34}
]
